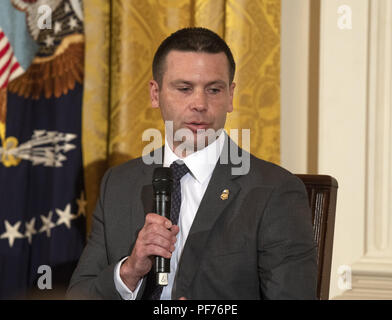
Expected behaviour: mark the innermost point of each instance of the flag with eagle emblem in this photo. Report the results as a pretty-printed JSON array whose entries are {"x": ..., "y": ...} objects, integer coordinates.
[{"x": 42, "y": 204}]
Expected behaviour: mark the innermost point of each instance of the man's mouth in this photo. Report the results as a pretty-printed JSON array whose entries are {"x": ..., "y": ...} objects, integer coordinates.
[{"x": 194, "y": 126}]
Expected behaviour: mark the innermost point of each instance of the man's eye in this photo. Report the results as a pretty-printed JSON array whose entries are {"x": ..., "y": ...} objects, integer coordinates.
[
  {"x": 184, "y": 89},
  {"x": 214, "y": 90}
]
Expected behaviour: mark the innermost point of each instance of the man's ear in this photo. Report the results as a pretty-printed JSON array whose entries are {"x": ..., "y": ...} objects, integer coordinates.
[
  {"x": 231, "y": 92},
  {"x": 154, "y": 93}
]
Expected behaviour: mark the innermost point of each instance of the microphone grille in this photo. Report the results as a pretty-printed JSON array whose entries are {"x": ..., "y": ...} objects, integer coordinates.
[{"x": 162, "y": 180}]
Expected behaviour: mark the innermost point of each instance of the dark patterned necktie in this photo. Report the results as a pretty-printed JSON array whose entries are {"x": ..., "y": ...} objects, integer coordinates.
[{"x": 179, "y": 169}]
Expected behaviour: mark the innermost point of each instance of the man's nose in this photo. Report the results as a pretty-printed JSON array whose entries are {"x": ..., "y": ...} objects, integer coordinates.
[{"x": 199, "y": 101}]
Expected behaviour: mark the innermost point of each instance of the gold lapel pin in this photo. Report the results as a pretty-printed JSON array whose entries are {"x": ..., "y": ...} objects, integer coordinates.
[{"x": 225, "y": 194}]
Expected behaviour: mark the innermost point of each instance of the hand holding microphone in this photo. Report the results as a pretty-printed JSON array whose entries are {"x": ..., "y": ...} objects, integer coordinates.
[{"x": 155, "y": 239}]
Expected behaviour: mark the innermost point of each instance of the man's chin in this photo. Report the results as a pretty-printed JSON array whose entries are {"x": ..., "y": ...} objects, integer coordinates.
[
  {"x": 188, "y": 141},
  {"x": 196, "y": 141}
]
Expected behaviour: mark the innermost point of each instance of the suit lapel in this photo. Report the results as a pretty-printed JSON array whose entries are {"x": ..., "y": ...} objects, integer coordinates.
[
  {"x": 147, "y": 198},
  {"x": 211, "y": 207}
]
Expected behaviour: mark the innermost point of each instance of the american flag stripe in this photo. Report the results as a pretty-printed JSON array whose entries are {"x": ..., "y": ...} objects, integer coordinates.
[
  {"x": 3, "y": 43},
  {"x": 15, "y": 66},
  {"x": 4, "y": 50},
  {"x": 13, "y": 72},
  {"x": 4, "y": 66},
  {"x": 4, "y": 58},
  {"x": 9, "y": 66}
]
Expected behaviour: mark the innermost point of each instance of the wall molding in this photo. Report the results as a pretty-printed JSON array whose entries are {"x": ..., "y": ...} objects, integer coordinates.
[{"x": 371, "y": 275}]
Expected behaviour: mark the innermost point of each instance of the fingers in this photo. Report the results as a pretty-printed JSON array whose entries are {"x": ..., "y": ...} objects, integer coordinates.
[
  {"x": 151, "y": 250},
  {"x": 153, "y": 218},
  {"x": 152, "y": 240},
  {"x": 156, "y": 221},
  {"x": 174, "y": 230},
  {"x": 156, "y": 238},
  {"x": 156, "y": 231}
]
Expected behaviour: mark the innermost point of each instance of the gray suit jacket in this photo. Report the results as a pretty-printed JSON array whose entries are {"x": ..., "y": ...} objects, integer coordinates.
[{"x": 257, "y": 244}]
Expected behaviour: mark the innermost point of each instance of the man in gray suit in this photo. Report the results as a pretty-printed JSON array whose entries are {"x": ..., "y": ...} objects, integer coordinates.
[{"x": 244, "y": 234}]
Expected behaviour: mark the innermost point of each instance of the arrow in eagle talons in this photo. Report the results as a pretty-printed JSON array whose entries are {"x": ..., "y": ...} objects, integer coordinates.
[
  {"x": 70, "y": 136},
  {"x": 66, "y": 147},
  {"x": 44, "y": 148},
  {"x": 37, "y": 161},
  {"x": 38, "y": 133}
]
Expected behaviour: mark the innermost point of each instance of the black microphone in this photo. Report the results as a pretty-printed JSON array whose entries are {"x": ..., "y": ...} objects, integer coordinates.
[{"x": 162, "y": 183}]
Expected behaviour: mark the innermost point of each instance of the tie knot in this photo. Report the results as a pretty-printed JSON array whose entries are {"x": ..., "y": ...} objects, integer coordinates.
[{"x": 179, "y": 170}]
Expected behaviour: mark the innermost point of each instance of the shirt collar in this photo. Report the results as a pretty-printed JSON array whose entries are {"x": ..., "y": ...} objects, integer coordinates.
[{"x": 200, "y": 163}]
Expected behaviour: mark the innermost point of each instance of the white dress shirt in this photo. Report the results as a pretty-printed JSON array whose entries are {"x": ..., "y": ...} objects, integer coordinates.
[{"x": 201, "y": 164}]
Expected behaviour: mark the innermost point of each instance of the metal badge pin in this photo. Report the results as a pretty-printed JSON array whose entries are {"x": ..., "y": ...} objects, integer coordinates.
[{"x": 225, "y": 194}]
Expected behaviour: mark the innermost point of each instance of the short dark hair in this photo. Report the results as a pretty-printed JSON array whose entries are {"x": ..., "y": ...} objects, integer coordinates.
[{"x": 191, "y": 40}]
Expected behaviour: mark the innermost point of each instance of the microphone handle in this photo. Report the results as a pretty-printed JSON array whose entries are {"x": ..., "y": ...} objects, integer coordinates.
[{"x": 162, "y": 265}]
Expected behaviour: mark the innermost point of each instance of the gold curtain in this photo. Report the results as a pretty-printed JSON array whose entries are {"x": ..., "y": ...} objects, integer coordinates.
[{"x": 121, "y": 38}]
